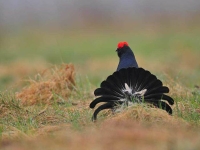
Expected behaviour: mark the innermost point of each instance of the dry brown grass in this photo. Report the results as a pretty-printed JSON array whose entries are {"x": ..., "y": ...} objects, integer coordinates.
[
  {"x": 139, "y": 127},
  {"x": 57, "y": 80},
  {"x": 134, "y": 128},
  {"x": 146, "y": 114}
]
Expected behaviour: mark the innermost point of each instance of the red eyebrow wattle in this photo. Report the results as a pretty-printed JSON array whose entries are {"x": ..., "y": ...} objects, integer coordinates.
[{"x": 122, "y": 44}]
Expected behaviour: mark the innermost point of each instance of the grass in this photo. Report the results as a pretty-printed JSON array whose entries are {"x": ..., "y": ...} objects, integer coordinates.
[
  {"x": 64, "y": 120},
  {"x": 26, "y": 119}
]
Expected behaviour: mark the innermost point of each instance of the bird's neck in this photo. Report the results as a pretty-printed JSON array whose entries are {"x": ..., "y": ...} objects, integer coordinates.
[
  {"x": 127, "y": 60},
  {"x": 127, "y": 55}
]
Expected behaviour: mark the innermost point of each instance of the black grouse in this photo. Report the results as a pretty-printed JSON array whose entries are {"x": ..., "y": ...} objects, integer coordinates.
[{"x": 129, "y": 85}]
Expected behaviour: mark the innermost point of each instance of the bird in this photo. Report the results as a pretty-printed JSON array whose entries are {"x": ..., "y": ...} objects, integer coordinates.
[
  {"x": 130, "y": 84},
  {"x": 126, "y": 56}
]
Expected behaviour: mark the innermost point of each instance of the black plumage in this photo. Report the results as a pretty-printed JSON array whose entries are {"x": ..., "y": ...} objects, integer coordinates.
[
  {"x": 130, "y": 84},
  {"x": 113, "y": 90}
]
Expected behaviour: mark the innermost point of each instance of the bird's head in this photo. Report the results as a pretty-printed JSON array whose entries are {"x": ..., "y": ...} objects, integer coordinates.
[{"x": 122, "y": 48}]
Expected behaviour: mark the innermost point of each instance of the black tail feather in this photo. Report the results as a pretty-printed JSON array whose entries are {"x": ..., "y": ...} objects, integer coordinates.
[
  {"x": 113, "y": 89},
  {"x": 160, "y": 96},
  {"x": 141, "y": 76},
  {"x": 120, "y": 79},
  {"x": 111, "y": 86},
  {"x": 114, "y": 81},
  {"x": 108, "y": 105},
  {"x": 159, "y": 89},
  {"x": 103, "y": 99},
  {"x": 156, "y": 83},
  {"x": 106, "y": 91},
  {"x": 146, "y": 79}
]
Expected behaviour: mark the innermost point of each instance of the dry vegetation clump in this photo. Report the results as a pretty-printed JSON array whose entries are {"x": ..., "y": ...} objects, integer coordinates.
[
  {"x": 147, "y": 115},
  {"x": 57, "y": 81}
]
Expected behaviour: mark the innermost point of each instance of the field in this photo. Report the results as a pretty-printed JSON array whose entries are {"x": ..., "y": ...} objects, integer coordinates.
[{"x": 47, "y": 81}]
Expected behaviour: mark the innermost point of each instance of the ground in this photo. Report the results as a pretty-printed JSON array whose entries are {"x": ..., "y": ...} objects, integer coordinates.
[{"x": 45, "y": 102}]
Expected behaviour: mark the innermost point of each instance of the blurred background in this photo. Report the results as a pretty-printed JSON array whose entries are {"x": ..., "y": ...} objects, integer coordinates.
[{"x": 34, "y": 35}]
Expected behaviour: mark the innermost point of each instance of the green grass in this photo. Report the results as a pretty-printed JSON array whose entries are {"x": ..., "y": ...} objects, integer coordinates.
[
  {"x": 28, "y": 119},
  {"x": 173, "y": 54},
  {"x": 81, "y": 47}
]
